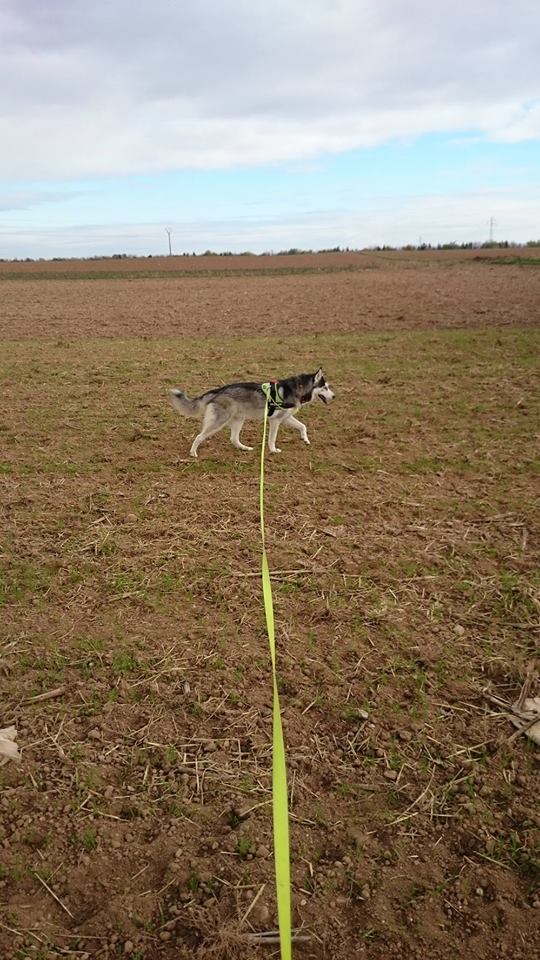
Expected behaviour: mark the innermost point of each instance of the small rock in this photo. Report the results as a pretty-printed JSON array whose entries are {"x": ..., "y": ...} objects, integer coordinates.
[
  {"x": 391, "y": 774},
  {"x": 261, "y": 913},
  {"x": 263, "y": 852},
  {"x": 129, "y": 946},
  {"x": 165, "y": 935},
  {"x": 459, "y": 630},
  {"x": 365, "y": 892},
  {"x": 210, "y": 746},
  {"x": 479, "y": 892},
  {"x": 95, "y": 734},
  {"x": 334, "y": 532},
  {"x": 405, "y": 735}
]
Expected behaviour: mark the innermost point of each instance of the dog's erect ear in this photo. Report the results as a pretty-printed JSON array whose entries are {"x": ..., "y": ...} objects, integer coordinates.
[{"x": 318, "y": 376}]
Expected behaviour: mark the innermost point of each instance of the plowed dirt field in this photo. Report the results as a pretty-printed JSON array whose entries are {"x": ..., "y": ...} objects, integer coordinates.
[{"x": 404, "y": 545}]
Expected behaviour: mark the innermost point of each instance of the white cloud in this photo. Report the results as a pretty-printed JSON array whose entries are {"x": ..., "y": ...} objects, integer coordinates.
[
  {"x": 434, "y": 217},
  {"x": 25, "y": 199},
  {"x": 115, "y": 88},
  {"x": 524, "y": 125}
]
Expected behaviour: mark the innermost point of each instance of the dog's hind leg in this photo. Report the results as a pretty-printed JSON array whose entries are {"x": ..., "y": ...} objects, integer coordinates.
[
  {"x": 236, "y": 426},
  {"x": 298, "y": 425},
  {"x": 215, "y": 418}
]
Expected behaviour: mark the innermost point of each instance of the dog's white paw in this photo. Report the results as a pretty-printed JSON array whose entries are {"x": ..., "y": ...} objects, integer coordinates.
[
  {"x": 193, "y": 453},
  {"x": 306, "y": 440},
  {"x": 275, "y": 450}
]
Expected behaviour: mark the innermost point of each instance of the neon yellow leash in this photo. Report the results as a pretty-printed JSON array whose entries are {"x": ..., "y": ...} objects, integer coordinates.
[{"x": 280, "y": 803}]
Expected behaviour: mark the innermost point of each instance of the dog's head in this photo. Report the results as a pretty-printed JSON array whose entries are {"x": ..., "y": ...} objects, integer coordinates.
[{"x": 321, "y": 388}]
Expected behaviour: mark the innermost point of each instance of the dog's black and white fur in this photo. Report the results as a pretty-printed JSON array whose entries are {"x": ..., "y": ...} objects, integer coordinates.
[{"x": 233, "y": 404}]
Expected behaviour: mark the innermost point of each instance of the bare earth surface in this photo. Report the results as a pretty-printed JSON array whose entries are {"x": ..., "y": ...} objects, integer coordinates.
[
  {"x": 404, "y": 544},
  {"x": 189, "y": 297}
]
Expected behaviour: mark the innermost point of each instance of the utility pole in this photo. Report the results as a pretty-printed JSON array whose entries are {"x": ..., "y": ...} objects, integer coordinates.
[
  {"x": 491, "y": 225},
  {"x": 168, "y": 231}
]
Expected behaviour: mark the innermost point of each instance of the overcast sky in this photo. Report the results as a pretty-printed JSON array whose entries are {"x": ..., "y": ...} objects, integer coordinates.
[{"x": 263, "y": 125}]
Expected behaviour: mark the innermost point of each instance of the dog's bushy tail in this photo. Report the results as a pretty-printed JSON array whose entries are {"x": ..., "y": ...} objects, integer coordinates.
[{"x": 185, "y": 405}]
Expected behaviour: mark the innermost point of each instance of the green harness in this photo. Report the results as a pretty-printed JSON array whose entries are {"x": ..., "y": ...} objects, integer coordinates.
[{"x": 274, "y": 398}]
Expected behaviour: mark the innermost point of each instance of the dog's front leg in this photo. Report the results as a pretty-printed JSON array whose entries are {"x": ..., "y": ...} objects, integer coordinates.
[
  {"x": 298, "y": 425},
  {"x": 272, "y": 434}
]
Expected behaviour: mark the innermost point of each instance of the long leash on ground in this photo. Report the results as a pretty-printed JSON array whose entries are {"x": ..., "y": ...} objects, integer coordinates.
[{"x": 280, "y": 804}]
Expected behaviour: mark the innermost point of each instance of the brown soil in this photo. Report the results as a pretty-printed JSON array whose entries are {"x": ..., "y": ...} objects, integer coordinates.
[
  {"x": 246, "y": 296},
  {"x": 404, "y": 544}
]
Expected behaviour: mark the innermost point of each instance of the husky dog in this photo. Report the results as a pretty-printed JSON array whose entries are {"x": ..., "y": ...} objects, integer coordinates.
[{"x": 229, "y": 406}]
